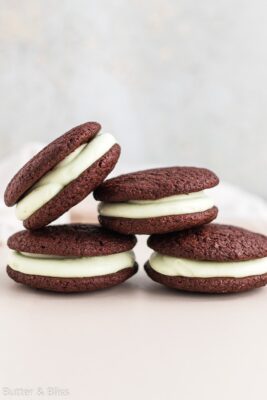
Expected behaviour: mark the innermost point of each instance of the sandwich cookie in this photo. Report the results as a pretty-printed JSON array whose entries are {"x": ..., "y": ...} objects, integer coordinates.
[
  {"x": 157, "y": 200},
  {"x": 62, "y": 175},
  {"x": 71, "y": 258},
  {"x": 211, "y": 259}
]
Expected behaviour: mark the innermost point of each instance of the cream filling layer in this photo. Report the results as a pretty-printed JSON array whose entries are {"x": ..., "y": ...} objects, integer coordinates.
[
  {"x": 172, "y": 205},
  {"x": 173, "y": 266},
  {"x": 63, "y": 174},
  {"x": 80, "y": 267}
]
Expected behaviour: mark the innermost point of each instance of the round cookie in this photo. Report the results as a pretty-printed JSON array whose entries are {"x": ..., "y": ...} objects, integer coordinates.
[
  {"x": 213, "y": 258},
  {"x": 157, "y": 200},
  {"x": 165, "y": 224},
  {"x": 71, "y": 258},
  {"x": 62, "y": 174},
  {"x": 153, "y": 184},
  {"x": 213, "y": 242},
  {"x": 208, "y": 285}
]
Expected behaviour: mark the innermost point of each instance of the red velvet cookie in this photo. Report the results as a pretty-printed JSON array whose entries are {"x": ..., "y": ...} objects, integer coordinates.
[
  {"x": 213, "y": 258},
  {"x": 71, "y": 258},
  {"x": 42, "y": 194},
  {"x": 157, "y": 200}
]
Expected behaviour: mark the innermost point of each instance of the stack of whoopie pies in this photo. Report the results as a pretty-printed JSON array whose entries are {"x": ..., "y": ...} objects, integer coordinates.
[
  {"x": 74, "y": 257},
  {"x": 167, "y": 203},
  {"x": 190, "y": 254}
]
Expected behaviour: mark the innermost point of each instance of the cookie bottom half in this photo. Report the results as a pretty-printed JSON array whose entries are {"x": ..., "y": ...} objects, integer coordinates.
[
  {"x": 149, "y": 226},
  {"x": 207, "y": 285},
  {"x": 71, "y": 285}
]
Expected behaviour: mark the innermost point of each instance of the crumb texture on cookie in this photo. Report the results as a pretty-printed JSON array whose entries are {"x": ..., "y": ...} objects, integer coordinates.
[
  {"x": 214, "y": 242},
  {"x": 148, "y": 226},
  {"x": 47, "y": 158},
  {"x": 155, "y": 184},
  {"x": 207, "y": 285},
  {"x": 72, "y": 285},
  {"x": 71, "y": 240},
  {"x": 65, "y": 172},
  {"x": 75, "y": 191}
]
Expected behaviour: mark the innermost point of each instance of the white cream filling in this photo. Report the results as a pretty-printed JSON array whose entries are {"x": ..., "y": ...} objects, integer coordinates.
[
  {"x": 80, "y": 267},
  {"x": 172, "y": 205},
  {"x": 63, "y": 174},
  {"x": 173, "y": 266}
]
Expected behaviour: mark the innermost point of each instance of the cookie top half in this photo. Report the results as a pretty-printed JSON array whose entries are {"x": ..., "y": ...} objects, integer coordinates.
[
  {"x": 47, "y": 159},
  {"x": 156, "y": 183},
  {"x": 77, "y": 240},
  {"x": 213, "y": 242}
]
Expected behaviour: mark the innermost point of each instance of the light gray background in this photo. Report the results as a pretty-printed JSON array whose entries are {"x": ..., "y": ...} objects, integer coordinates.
[{"x": 177, "y": 82}]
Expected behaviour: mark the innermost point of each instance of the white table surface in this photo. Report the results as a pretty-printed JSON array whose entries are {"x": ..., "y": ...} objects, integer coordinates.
[{"x": 136, "y": 341}]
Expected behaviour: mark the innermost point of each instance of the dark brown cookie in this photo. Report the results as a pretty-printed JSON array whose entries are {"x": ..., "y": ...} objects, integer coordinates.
[
  {"x": 75, "y": 192},
  {"x": 47, "y": 159},
  {"x": 74, "y": 240},
  {"x": 71, "y": 285},
  {"x": 214, "y": 242},
  {"x": 207, "y": 285},
  {"x": 154, "y": 184},
  {"x": 164, "y": 224}
]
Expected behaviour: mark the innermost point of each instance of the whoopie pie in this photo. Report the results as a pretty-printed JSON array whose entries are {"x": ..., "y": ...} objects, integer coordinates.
[
  {"x": 62, "y": 174},
  {"x": 212, "y": 258},
  {"x": 157, "y": 200},
  {"x": 71, "y": 258}
]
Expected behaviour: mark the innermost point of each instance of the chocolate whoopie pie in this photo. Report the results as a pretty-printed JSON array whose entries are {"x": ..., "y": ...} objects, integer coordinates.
[
  {"x": 211, "y": 259},
  {"x": 62, "y": 175},
  {"x": 157, "y": 200},
  {"x": 71, "y": 258}
]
